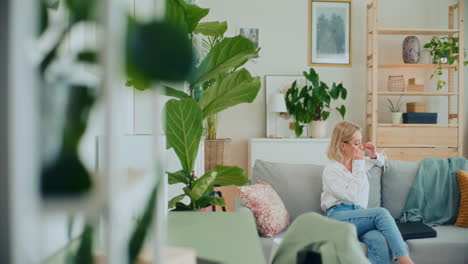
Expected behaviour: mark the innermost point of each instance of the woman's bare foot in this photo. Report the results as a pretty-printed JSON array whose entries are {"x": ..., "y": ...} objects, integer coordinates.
[{"x": 405, "y": 260}]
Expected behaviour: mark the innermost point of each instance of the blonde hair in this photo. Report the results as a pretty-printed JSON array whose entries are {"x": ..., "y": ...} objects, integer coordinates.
[{"x": 343, "y": 131}]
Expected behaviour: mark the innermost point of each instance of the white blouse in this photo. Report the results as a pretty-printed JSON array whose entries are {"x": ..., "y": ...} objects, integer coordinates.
[{"x": 342, "y": 186}]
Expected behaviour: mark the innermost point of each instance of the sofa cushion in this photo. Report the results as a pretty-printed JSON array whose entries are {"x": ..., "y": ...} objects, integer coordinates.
[
  {"x": 270, "y": 215},
  {"x": 397, "y": 179},
  {"x": 375, "y": 196},
  {"x": 462, "y": 219},
  {"x": 300, "y": 185},
  {"x": 450, "y": 246}
]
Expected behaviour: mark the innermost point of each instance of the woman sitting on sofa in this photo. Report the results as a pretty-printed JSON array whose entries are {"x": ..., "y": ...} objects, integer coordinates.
[{"x": 346, "y": 193}]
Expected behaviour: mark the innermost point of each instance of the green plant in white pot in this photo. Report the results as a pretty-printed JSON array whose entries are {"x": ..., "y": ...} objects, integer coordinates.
[
  {"x": 395, "y": 109},
  {"x": 312, "y": 103}
]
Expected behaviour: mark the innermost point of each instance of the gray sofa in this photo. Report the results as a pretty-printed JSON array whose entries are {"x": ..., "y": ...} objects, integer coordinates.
[{"x": 300, "y": 186}]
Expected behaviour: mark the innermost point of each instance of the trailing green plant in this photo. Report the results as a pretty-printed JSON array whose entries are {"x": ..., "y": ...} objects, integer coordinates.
[
  {"x": 443, "y": 50},
  {"x": 312, "y": 102},
  {"x": 394, "y": 108}
]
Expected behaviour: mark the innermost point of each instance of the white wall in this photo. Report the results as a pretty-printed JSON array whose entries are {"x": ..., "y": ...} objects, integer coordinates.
[{"x": 283, "y": 37}]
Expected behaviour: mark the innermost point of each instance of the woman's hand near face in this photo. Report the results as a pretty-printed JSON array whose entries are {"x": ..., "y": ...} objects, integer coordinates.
[
  {"x": 358, "y": 154},
  {"x": 371, "y": 149}
]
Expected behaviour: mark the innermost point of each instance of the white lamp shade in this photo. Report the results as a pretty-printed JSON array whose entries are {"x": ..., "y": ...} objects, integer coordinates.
[{"x": 278, "y": 104}]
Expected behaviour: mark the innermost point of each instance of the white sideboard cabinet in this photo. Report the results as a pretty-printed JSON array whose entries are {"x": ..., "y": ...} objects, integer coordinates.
[{"x": 288, "y": 150}]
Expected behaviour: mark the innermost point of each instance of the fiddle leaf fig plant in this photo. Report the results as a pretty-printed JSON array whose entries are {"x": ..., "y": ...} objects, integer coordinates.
[
  {"x": 215, "y": 84},
  {"x": 443, "y": 50},
  {"x": 150, "y": 48},
  {"x": 312, "y": 102},
  {"x": 184, "y": 129}
]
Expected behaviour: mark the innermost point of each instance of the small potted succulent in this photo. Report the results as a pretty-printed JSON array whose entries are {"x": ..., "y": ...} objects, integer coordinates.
[{"x": 395, "y": 110}]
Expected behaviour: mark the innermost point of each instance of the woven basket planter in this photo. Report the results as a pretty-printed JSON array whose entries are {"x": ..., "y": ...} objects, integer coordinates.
[{"x": 217, "y": 152}]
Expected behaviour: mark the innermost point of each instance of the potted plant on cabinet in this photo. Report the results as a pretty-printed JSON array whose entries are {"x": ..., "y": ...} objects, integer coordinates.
[
  {"x": 395, "y": 110},
  {"x": 311, "y": 104},
  {"x": 443, "y": 50}
]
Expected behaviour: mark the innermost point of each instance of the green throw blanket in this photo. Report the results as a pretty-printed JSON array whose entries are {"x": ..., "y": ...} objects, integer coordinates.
[
  {"x": 335, "y": 241},
  {"x": 434, "y": 195}
]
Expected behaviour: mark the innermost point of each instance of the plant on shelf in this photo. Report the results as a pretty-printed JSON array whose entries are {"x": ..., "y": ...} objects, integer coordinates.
[
  {"x": 395, "y": 109},
  {"x": 312, "y": 102},
  {"x": 443, "y": 50}
]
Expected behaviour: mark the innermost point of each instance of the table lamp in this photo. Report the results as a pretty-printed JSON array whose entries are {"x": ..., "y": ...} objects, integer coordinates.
[{"x": 278, "y": 105}]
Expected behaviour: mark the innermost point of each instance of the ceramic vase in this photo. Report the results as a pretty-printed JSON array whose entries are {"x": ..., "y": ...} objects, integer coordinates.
[
  {"x": 318, "y": 129},
  {"x": 411, "y": 49}
]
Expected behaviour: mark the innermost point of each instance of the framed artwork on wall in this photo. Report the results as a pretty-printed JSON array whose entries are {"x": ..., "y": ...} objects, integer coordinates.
[
  {"x": 329, "y": 32},
  {"x": 250, "y": 33}
]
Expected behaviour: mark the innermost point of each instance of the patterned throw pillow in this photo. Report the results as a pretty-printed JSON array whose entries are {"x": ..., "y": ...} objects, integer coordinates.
[
  {"x": 462, "y": 219},
  {"x": 270, "y": 214}
]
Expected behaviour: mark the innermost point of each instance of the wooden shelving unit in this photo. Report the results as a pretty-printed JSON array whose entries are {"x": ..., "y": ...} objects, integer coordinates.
[
  {"x": 414, "y": 66},
  {"x": 416, "y": 31},
  {"x": 417, "y": 93},
  {"x": 413, "y": 142}
]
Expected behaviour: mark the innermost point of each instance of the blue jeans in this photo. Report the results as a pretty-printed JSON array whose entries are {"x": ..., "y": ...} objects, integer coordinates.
[{"x": 376, "y": 228}]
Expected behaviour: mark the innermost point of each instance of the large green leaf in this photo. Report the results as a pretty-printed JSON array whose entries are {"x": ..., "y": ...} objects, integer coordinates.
[
  {"x": 230, "y": 175},
  {"x": 344, "y": 92},
  {"x": 334, "y": 92},
  {"x": 84, "y": 254},
  {"x": 87, "y": 56},
  {"x": 169, "y": 91},
  {"x": 312, "y": 76},
  {"x": 82, "y": 9},
  {"x": 210, "y": 200},
  {"x": 298, "y": 128},
  {"x": 342, "y": 111},
  {"x": 184, "y": 128},
  {"x": 157, "y": 51},
  {"x": 139, "y": 233},
  {"x": 202, "y": 184},
  {"x": 228, "y": 90},
  {"x": 213, "y": 29},
  {"x": 229, "y": 54},
  {"x": 186, "y": 16},
  {"x": 175, "y": 200},
  {"x": 178, "y": 177}
]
